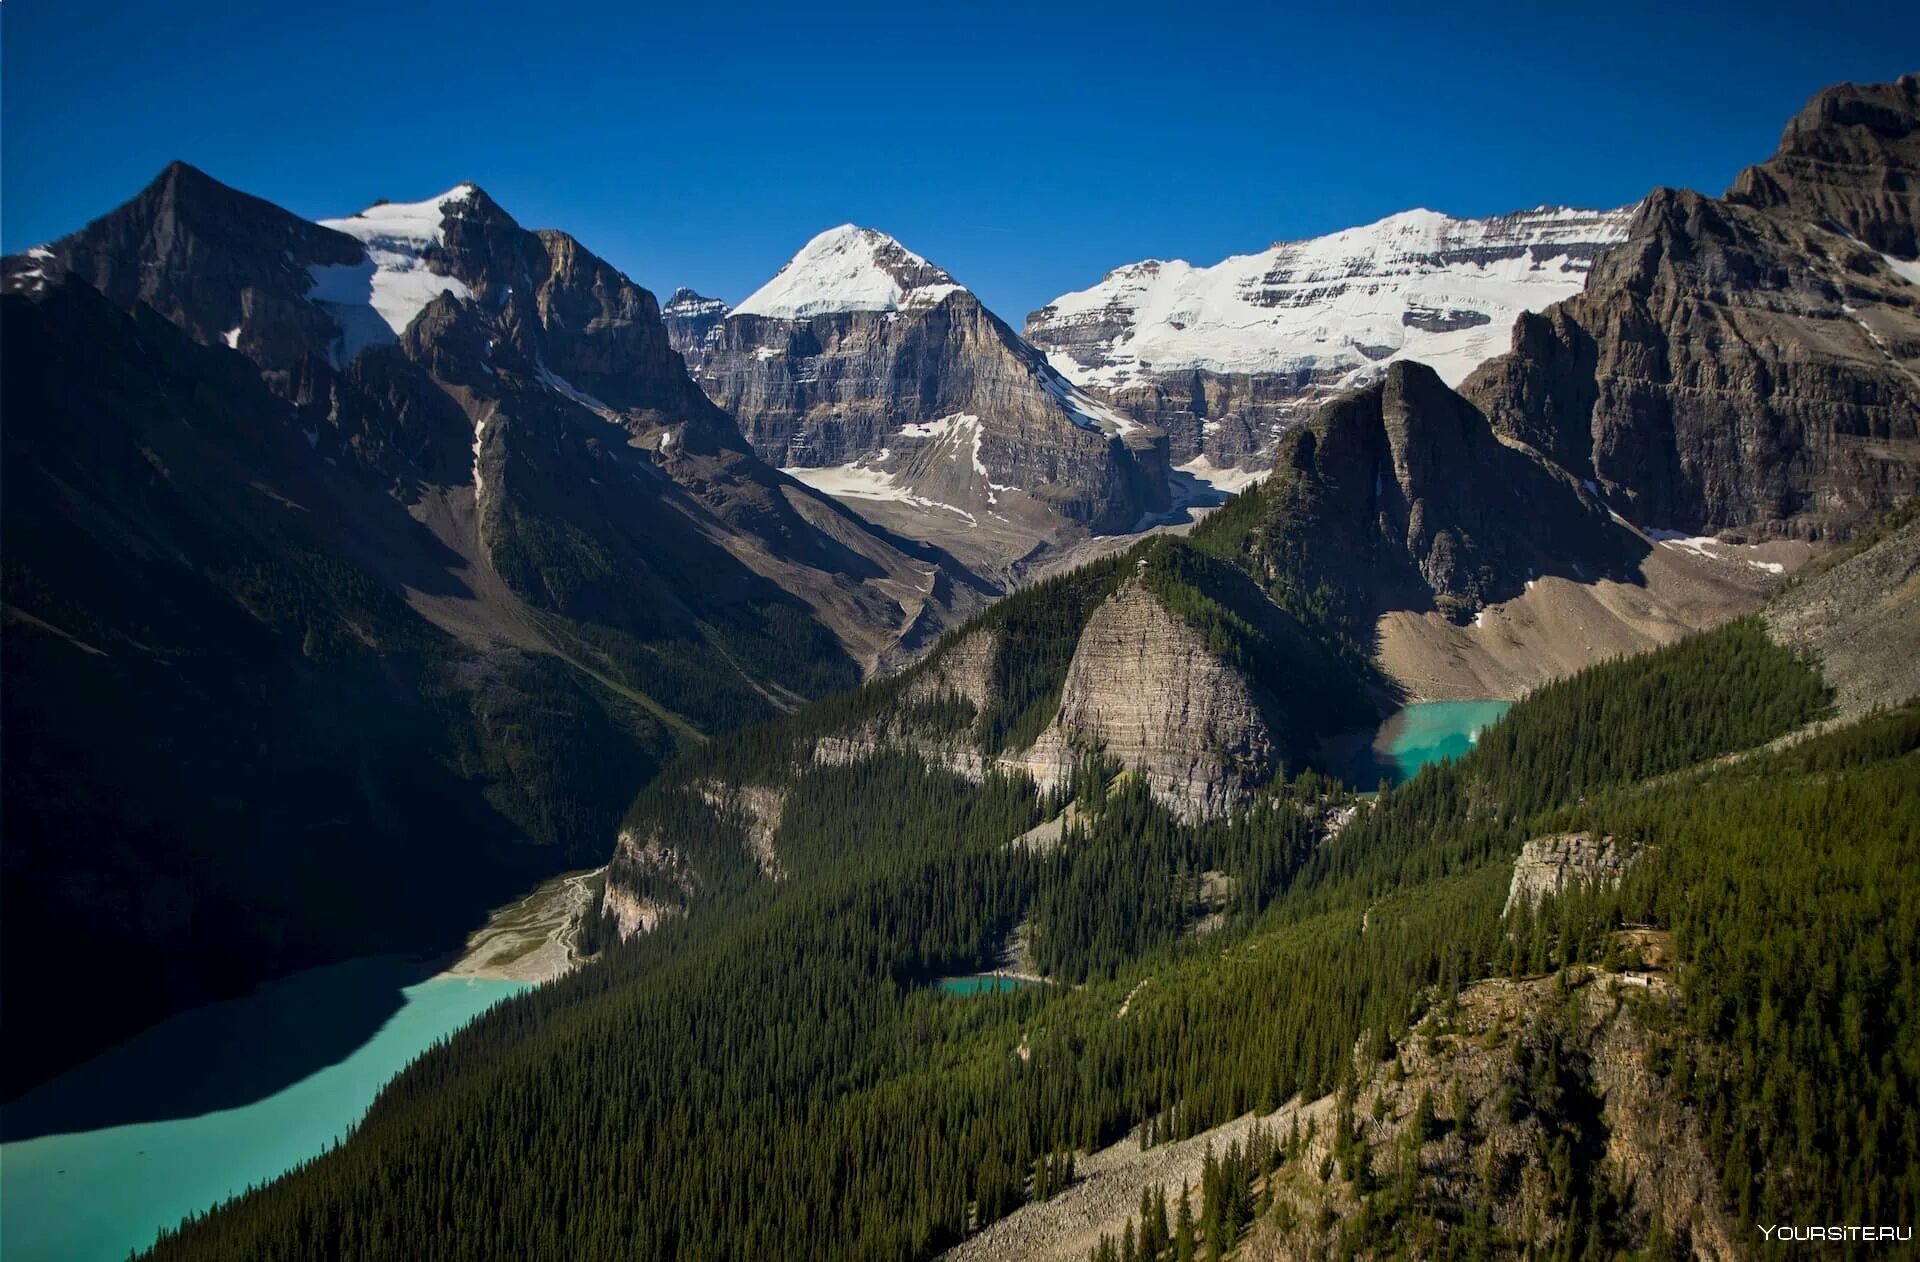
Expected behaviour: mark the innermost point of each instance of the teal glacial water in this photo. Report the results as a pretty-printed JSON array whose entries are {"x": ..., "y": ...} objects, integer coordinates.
[
  {"x": 984, "y": 984},
  {"x": 195, "y": 1109},
  {"x": 1424, "y": 732}
]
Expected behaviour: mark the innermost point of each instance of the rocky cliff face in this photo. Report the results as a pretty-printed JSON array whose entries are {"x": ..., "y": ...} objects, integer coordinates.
[
  {"x": 1145, "y": 689},
  {"x": 963, "y": 669},
  {"x": 1749, "y": 362},
  {"x": 1846, "y": 160},
  {"x": 869, "y": 373},
  {"x": 1401, "y": 496},
  {"x": 690, "y": 318},
  {"x": 1224, "y": 358},
  {"x": 1564, "y": 863}
]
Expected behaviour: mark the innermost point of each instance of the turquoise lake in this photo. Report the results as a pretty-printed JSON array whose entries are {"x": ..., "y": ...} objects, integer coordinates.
[
  {"x": 1424, "y": 732},
  {"x": 80, "y": 1192},
  {"x": 983, "y": 984}
]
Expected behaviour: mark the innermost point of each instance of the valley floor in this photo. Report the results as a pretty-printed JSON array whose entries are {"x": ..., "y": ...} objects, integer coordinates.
[{"x": 1558, "y": 625}]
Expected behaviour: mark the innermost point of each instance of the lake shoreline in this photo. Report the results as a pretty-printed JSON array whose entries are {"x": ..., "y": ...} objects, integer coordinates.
[{"x": 533, "y": 939}]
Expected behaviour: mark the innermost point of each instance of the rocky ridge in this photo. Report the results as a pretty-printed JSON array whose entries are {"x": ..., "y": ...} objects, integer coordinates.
[
  {"x": 1747, "y": 363},
  {"x": 1145, "y": 689}
]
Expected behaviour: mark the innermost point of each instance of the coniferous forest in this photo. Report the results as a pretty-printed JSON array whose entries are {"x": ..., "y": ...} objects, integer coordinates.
[{"x": 776, "y": 1073}]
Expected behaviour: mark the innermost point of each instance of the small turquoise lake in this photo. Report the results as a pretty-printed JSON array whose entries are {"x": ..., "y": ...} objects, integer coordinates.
[
  {"x": 80, "y": 1191},
  {"x": 1422, "y": 733},
  {"x": 985, "y": 984}
]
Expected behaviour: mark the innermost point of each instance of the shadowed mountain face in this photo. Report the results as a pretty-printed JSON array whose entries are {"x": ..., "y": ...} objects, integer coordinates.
[
  {"x": 1750, "y": 362},
  {"x": 355, "y": 578},
  {"x": 1400, "y": 496}
]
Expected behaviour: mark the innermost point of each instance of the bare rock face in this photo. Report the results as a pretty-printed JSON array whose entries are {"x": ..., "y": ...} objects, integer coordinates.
[
  {"x": 633, "y": 913},
  {"x": 648, "y": 881},
  {"x": 1401, "y": 496},
  {"x": 1847, "y": 160},
  {"x": 964, "y": 670},
  {"x": 870, "y": 374},
  {"x": 1751, "y": 362},
  {"x": 1563, "y": 862},
  {"x": 1145, "y": 689}
]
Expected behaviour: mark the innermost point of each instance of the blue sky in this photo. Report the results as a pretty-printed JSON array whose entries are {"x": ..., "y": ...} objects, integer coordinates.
[{"x": 1026, "y": 148}]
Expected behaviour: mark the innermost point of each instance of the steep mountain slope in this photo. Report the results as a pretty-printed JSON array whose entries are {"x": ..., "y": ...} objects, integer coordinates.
[
  {"x": 1223, "y": 358},
  {"x": 1400, "y": 495},
  {"x": 873, "y": 375},
  {"x": 1858, "y": 611},
  {"x": 1750, "y": 362},
  {"x": 1463, "y": 564},
  {"x": 426, "y": 461}
]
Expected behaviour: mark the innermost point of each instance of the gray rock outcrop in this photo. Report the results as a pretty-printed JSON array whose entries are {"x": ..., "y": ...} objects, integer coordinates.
[
  {"x": 1144, "y": 688},
  {"x": 1563, "y": 862},
  {"x": 964, "y": 669}
]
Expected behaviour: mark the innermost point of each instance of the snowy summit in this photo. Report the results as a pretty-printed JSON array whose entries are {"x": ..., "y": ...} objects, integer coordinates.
[
  {"x": 849, "y": 269},
  {"x": 395, "y": 281},
  {"x": 1416, "y": 285}
]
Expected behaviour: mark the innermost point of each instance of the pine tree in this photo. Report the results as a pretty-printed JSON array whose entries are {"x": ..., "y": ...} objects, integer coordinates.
[{"x": 1183, "y": 1229}]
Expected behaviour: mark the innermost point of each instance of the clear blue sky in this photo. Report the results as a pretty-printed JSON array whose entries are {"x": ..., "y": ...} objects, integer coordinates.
[{"x": 1027, "y": 148}]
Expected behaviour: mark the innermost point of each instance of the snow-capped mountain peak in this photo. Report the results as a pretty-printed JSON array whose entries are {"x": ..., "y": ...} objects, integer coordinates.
[
  {"x": 396, "y": 281},
  {"x": 849, "y": 268},
  {"x": 689, "y": 304},
  {"x": 1419, "y": 284}
]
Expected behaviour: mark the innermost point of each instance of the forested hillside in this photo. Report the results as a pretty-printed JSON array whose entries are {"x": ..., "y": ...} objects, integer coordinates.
[{"x": 775, "y": 1075}]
